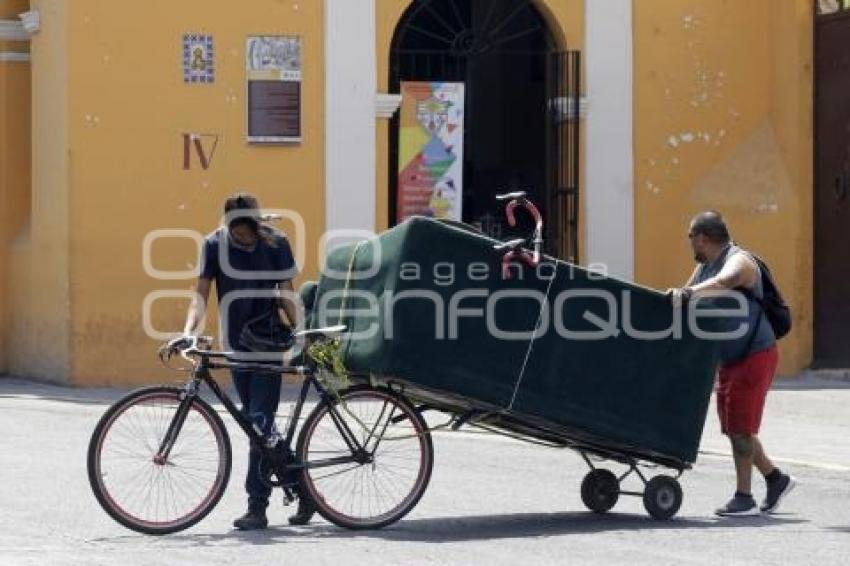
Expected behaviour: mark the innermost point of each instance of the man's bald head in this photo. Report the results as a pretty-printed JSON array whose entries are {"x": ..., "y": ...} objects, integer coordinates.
[
  {"x": 709, "y": 235},
  {"x": 711, "y": 225}
]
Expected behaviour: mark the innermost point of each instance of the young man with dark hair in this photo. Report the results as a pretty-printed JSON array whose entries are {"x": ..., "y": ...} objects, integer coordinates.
[
  {"x": 233, "y": 256},
  {"x": 748, "y": 364}
]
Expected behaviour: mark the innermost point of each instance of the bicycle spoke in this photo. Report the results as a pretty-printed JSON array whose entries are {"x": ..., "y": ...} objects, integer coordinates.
[
  {"x": 144, "y": 492},
  {"x": 382, "y": 488}
]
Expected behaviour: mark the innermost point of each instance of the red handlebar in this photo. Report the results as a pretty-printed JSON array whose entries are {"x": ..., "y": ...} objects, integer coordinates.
[
  {"x": 530, "y": 259},
  {"x": 529, "y": 206},
  {"x": 521, "y": 255}
]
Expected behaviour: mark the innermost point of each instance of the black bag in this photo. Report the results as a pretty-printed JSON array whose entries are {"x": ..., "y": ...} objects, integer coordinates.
[
  {"x": 266, "y": 333},
  {"x": 773, "y": 304}
]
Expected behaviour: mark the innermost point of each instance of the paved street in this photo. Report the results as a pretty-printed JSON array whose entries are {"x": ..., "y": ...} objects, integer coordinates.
[{"x": 491, "y": 500}]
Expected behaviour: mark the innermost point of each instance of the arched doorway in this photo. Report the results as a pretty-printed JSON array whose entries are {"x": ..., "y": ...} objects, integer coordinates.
[{"x": 520, "y": 98}]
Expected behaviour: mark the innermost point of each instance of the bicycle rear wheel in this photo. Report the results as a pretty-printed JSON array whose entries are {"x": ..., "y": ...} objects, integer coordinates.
[
  {"x": 390, "y": 476},
  {"x": 154, "y": 497}
]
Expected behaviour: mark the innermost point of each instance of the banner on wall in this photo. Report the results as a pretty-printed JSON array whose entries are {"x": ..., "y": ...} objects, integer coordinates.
[
  {"x": 274, "y": 89},
  {"x": 430, "y": 178}
]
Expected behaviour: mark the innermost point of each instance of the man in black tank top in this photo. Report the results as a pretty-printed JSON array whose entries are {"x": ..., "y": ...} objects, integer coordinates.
[{"x": 747, "y": 364}]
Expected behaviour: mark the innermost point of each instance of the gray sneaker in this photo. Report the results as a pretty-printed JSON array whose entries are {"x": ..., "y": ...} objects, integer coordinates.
[
  {"x": 739, "y": 506},
  {"x": 776, "y": 492}
]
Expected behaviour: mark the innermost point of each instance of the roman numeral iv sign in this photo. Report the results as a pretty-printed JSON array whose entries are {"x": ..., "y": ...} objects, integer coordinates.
[{"x": 204, "y": 146}]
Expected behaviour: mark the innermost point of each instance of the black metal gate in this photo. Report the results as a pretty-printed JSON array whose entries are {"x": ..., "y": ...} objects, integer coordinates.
[
  {"x": 522, "y": 101},
  {"x": 564, "y": 119},
  {"x": 832, "y": 187}
]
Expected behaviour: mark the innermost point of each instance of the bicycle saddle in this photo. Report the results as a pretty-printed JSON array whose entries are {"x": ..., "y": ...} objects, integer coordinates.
[{"x": 328, "y": 331}]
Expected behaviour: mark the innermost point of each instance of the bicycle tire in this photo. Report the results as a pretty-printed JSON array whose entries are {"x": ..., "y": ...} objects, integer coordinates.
[
  {"x": 328, "y": 509},
  {"x": 96, "y": 475}
]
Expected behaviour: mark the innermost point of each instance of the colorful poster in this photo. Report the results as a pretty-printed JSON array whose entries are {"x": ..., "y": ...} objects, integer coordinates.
[
  {"x": 198, "y": 59},
  {"x": 273, "y": 69},
  {"x": 430, "y": 178}
]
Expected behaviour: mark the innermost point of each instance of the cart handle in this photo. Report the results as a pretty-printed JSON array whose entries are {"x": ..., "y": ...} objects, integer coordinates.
[
  {"x": 522, "y": 255},
  {"x": 517, "y": 200}
]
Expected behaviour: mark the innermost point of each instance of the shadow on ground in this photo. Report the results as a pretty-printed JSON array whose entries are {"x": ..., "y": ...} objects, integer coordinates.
[
  {"x": 839, "y": 529},
  {"x": 466, "y": 529}
]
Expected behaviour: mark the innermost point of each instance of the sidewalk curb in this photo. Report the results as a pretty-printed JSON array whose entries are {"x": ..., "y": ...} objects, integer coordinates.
[{"x": 842, "y": 375}]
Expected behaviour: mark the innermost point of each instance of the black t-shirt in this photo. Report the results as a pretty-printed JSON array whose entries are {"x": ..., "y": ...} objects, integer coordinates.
[{"x": 245, "y": 279}]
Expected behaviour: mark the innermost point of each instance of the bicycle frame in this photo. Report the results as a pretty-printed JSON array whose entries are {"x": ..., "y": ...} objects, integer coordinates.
[{"x": 202, "y": 374}]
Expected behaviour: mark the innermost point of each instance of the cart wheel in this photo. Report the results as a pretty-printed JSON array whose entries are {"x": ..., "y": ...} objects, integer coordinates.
[
  {"x": 600, "y": 490},
  {"x": 662, "y": 497}
]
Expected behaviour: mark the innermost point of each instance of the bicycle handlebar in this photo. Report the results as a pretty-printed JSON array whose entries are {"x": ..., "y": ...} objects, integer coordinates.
[{"x": 191, "y": 348}]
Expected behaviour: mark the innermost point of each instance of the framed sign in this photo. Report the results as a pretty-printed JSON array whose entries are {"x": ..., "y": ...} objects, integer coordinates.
[
  {"x": 273, "y": 70},
  {"x": 430, "y": 166}
]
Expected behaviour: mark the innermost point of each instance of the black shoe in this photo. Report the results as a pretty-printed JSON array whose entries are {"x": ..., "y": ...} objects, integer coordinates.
[
  {"x": 776, "y": 492},
  {"x": 305, "y": 512},
  {"x": 253, "y": 520},
  {"x": 739, "y": 506}
]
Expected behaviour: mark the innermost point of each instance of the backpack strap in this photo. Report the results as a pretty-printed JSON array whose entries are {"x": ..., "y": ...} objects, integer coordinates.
[{"x": 750, "y": 295}]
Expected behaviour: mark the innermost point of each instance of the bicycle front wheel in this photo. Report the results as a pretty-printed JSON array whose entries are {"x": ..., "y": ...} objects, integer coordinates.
[
  {"x": 385, "y": 480},
  {"x": 143, "y": 492}
]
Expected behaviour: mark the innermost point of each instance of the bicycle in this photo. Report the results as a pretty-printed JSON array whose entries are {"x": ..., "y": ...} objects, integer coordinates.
[{"x": 159, "y": 459}]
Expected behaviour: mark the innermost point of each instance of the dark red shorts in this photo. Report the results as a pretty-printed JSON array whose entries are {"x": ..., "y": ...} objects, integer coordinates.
[{"x": 741, "y": 390}]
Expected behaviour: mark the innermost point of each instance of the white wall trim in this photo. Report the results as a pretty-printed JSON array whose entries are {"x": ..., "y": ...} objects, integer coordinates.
[
  {"x": 13, "y": 30},
  {"x": 609, "y": 160},
  {"x": 14, "y": 56},
  {"x": 350, "y": 129},
  {"x": 386, "y": 105},
  {"x": 31, "y": 21}
]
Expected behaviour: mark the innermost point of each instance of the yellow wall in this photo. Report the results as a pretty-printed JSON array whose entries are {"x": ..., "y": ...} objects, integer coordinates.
[
  {"x": 566, "y": 17},
  {"x": 39, "y": 259},
  {"x": 14, "y": 163},
  {"x": 9, "y": 9},
  {"x": 110, "y": 108},
  {"x": 792, "y": 114},
  {"x": 14, "y": 180},
  {"x": 723, "y": 121}
]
